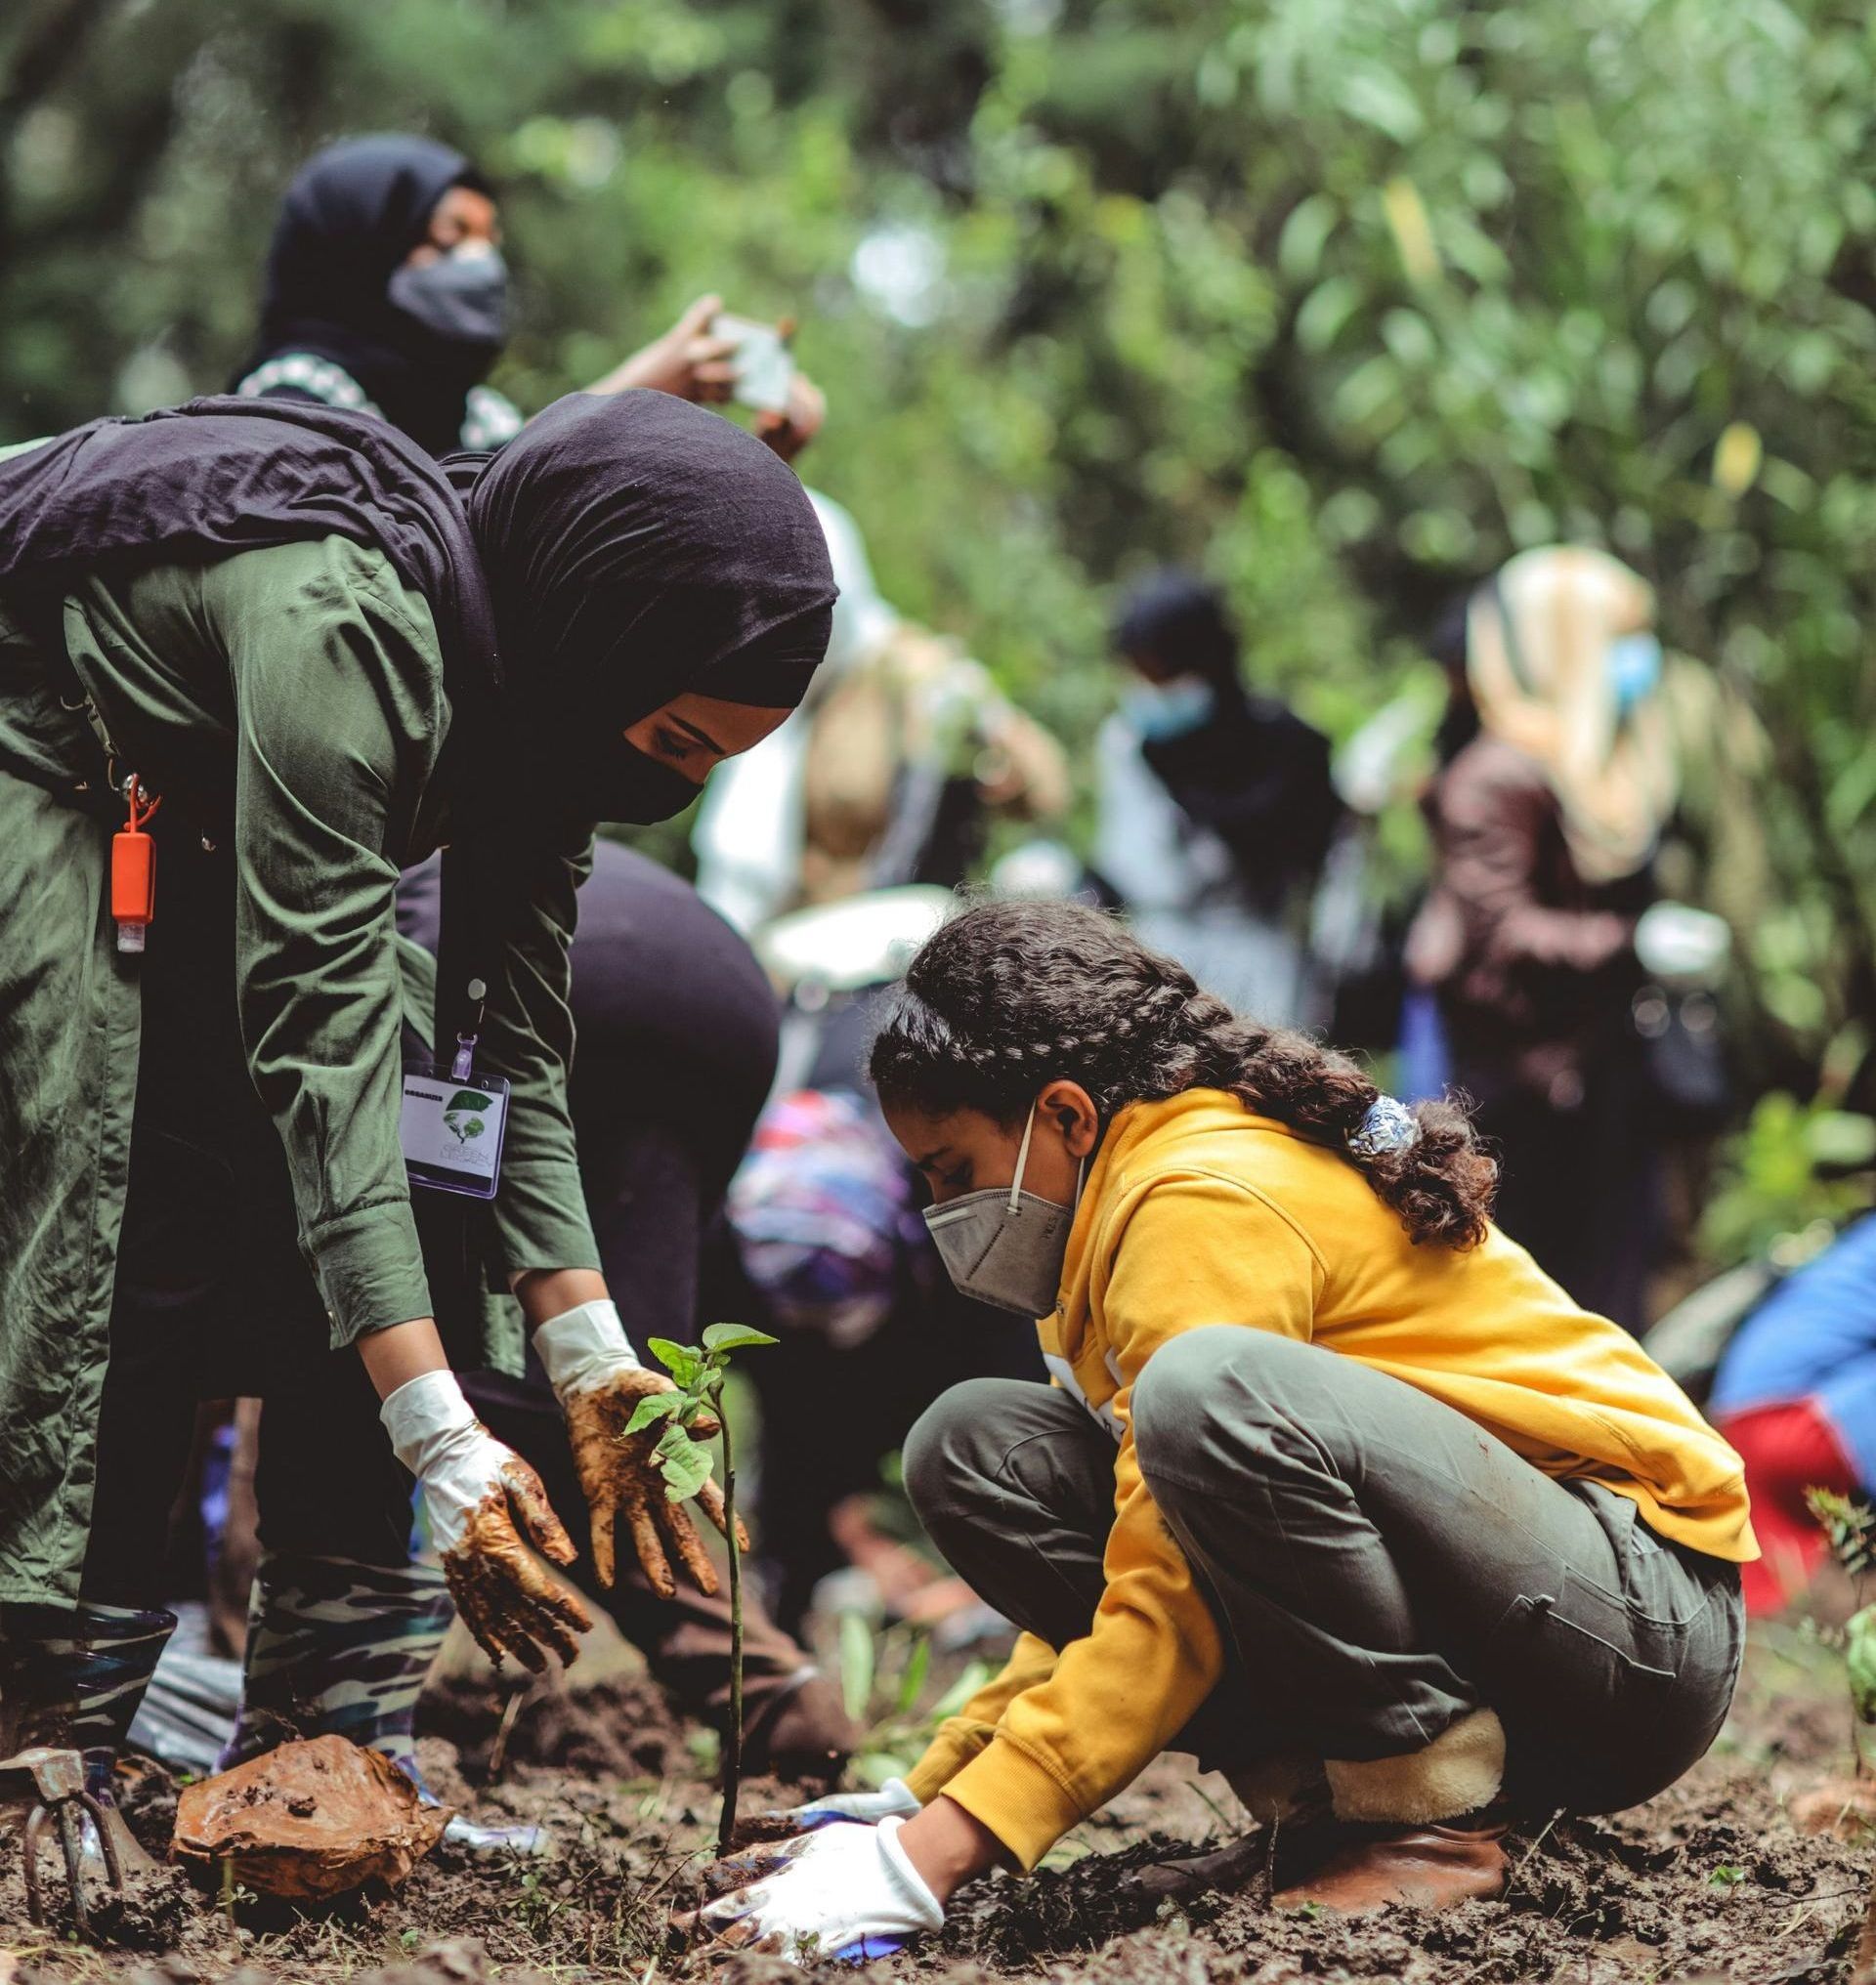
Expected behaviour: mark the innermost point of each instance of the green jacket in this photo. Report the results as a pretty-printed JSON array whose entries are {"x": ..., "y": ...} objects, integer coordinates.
[{"x": 295, "y": 698}]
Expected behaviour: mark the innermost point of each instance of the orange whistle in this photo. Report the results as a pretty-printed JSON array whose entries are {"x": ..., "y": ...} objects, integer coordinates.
[{"x": 133, "y": 875}]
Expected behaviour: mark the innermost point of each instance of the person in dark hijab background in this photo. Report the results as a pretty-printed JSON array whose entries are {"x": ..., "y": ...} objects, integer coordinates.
[
  {"x": 279, "y": 622},
  {"x": 1216, "y": 806},
  {"x": 387, "y": 292}
]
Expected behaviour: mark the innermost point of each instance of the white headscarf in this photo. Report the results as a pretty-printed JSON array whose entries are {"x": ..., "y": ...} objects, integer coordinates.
[{"x": 1537, "y": 646}]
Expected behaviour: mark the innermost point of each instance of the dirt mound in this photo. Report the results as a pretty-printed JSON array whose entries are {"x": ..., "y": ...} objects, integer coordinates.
[{"x": 622, "y": 1727}]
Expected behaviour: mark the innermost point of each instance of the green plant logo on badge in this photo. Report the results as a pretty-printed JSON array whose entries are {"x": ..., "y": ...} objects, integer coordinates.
[{"x": 451, "y": 1132}]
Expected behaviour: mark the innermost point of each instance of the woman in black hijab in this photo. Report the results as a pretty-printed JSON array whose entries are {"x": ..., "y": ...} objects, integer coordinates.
[
  {"x": 274, "y": 619},
  {"x": 386, "y": 293}
]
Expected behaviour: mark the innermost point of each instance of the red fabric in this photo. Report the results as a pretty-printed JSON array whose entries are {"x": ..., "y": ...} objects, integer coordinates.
[{"x": 1787, "y": 1448}]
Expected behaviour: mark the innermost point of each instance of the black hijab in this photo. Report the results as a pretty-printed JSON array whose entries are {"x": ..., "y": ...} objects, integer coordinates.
[
  {"x": 352, "y": 214},
  {"x": 637, "y": 547}
]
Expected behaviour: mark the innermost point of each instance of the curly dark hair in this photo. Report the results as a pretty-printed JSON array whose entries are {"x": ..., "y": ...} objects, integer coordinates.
[{"x": 1009, "y": 997}]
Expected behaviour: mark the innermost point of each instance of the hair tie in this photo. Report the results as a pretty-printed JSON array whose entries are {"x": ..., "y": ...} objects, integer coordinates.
[{"x": 1387, "y": 1127}]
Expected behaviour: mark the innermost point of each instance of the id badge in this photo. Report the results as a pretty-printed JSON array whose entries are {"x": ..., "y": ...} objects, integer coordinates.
[{"x": 452, "y": 1126}]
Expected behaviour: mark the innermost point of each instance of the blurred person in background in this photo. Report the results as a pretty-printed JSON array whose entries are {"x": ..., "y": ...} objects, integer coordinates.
[
  {"x": 387, "y": 294},
  {"x": 1216, "y": 806},
  {"x": 1541, "y": 929},
  {"x": 889, "y": 774},
  {"x": 1795, "y": 1395}
]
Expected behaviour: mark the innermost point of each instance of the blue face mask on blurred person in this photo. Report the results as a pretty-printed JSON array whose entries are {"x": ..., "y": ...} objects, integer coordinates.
[
  {"x": 1634, "y": 663},
  {"x": 462, "y": 296},
  {"x": 1172, "y": 710}
]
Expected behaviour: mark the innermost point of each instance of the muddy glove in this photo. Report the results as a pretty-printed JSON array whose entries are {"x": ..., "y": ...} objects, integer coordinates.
[
  {"x": 847, "y": 1894},
  {"x": 892, "y": 1800},
  {"x": 485, "y": 1506},
  {"x": 599, "y": 1381}
]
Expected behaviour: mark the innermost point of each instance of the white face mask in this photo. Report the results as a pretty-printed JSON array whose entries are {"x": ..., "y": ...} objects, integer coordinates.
[{"x": 1005, "y": 1246}]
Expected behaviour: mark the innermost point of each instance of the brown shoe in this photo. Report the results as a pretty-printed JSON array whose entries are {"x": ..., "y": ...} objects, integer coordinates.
[{"x": 1430, "y": 1867}]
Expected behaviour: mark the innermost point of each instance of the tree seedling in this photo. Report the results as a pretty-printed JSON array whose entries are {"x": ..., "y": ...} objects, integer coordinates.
[{"x": 697, "y": 1377}]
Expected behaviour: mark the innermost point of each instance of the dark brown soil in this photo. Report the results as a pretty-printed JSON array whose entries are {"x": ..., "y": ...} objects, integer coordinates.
[{"x": 1710, "y": 1881}]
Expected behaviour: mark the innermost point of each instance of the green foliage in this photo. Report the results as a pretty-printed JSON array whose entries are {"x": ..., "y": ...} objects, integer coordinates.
[
  {"x": 1850, "y": 1526},
  {"x": 1346, "y": 303},
  {"x": 883, "y": 1683}
]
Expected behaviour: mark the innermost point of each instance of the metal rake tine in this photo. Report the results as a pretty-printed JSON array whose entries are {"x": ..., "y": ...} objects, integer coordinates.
[
  {"x": 114, "y": 1862},
  {"x": 36, "y": 1823},
  {"x": 71, "y": 1842}
]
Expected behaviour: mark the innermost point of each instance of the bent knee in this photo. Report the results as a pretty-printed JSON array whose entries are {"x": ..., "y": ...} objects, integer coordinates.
[
  {"x": 956, "y": 1441},
  {"x": 1220, "y": 1372}
]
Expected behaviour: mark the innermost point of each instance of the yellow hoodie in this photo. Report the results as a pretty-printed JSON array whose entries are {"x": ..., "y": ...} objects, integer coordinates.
[{"x": 1199, "y": 1212}]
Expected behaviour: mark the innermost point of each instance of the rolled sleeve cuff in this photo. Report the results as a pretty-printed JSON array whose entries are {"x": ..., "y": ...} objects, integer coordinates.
[
  {"x": 1017, "y": 1797},
  {"x": 540, "y": 1219},
  {"x": 371, "y": 1270}
]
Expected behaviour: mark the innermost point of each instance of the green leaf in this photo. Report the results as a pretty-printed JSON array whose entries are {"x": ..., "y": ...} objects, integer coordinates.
[
  {"x": 976, "y": 1674},
  {"x": 857, "y": 1659},
  {"x": 468, "y": 1099},
  {"x": 911, "y": 1683},
  {"x": 721, "y": 1338},
  {"x": 686, "y": 1465},
  {"x": 679, "y": 1360},
  {"x": 654, "y": 1407}
]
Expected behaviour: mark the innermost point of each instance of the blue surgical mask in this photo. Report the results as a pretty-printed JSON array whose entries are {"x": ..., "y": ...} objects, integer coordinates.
[
  {"x": 1172, "y": 710},
  {"x": 1005, "y": 1246},
  {"x": 1633, "y": 663},
  {"x": 461, "y": 296}
]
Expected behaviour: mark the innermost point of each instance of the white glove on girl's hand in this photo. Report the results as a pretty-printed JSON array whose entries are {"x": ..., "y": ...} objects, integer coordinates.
[
  {"x": 486, "y": 1505},
  {"x": 847, "y": 1894},
  {"x": 893, "y": 1800}
]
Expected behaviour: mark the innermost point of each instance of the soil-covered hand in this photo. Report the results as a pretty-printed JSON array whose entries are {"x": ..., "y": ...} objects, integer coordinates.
[
  {"x": 599, "y": 1382},
  {"x": 848, "y": 1893},
  {"x": 486, "y": 1505},
  {"x": 623, "y": 1478}
]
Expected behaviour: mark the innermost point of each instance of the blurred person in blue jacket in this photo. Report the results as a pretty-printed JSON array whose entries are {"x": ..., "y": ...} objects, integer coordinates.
[{"x": 1796, "y": 1396}]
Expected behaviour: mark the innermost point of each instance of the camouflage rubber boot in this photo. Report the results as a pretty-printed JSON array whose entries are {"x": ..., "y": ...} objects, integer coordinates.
[
  {"x": 74, "y": 1677},
  {"x": 337, "y": 1648}
]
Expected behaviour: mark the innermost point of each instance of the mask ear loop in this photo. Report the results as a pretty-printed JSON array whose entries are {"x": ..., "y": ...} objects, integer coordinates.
[{"x": 1022, "y": 1162}]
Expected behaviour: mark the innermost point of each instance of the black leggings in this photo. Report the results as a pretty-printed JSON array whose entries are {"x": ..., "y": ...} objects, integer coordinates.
[{"x": 212, "y": 1295}]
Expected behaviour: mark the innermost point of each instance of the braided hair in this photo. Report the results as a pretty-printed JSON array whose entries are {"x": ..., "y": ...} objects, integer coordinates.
[{"x": 1009, "y": 997}]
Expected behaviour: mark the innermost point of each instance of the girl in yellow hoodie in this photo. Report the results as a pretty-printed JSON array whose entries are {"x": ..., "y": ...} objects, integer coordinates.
[{"x": 1333, "y": 1484}]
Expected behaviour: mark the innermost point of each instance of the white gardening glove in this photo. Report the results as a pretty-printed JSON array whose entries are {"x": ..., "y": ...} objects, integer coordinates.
[
  {"x": 486, "y": 1505},
  {"x": 599, "y": 1382},
  {"x": 1680, "y": 944},
  {"x": 846, "y": 1892},
  {"x": 893, "y": 1800}
]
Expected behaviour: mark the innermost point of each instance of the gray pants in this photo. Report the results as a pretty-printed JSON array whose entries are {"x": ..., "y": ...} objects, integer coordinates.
[{"x": 1378, "y": 1564}]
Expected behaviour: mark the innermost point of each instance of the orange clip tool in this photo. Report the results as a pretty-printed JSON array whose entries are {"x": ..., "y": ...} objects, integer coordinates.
[{"x": 132, "y": 871}]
